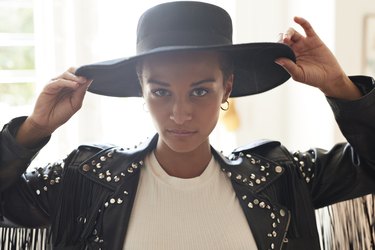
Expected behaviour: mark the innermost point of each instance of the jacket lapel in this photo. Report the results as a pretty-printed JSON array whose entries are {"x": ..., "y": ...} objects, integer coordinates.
[
  {"x": 117, "y": 169},
  {"x": 250, "y": 175}
]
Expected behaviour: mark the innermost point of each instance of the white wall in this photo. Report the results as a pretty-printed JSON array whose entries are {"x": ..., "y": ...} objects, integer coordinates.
[
  {"x": 349, "y": 32},
  {"x": 349, "y": 35}
]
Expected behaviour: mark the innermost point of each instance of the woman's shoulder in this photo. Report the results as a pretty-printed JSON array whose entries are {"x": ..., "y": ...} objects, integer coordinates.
[{"x": 264, "y": 148}]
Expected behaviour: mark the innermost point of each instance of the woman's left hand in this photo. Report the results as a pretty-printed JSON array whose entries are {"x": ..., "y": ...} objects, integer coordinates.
[{"x": 315, "y": 64}]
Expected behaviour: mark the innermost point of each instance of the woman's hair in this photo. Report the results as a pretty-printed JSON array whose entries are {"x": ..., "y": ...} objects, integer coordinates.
[{"x": 226, "y": 66}]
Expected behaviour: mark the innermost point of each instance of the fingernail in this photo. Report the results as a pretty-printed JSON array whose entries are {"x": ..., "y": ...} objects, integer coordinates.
[
  {"x": 82, "y": 79},
  {"x": 279, "y": 62},
  {"x": 281, "y": 36}
]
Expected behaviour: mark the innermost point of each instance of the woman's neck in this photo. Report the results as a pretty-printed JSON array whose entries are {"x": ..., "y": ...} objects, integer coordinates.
[{"x": 186, "y": 164}]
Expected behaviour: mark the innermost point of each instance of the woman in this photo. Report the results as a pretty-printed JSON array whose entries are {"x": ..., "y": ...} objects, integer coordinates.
[{"x": 176, "y": 191}]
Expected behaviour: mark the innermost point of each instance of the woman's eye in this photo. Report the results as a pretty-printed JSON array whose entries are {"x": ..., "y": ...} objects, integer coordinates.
[
  {"x": 160, "y": 92},
  {"x": 199, "y": 92}
]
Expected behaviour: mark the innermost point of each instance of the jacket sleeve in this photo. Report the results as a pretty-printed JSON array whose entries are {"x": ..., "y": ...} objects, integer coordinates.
[
  {"x": 26, "y": 193},
  {"x": 347, "y": 170},
  {"x": 31, "y": 196},
  {"x": 14, "y": 159}
]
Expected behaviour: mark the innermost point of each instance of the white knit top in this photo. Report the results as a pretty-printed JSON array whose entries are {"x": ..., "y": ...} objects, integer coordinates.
[{"x": 197, "y": 213}]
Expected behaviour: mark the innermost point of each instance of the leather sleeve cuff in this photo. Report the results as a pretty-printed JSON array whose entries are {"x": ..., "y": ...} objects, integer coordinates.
[
  {"x": 10, "y": 149},
  {"x": 364, "y": 105}
]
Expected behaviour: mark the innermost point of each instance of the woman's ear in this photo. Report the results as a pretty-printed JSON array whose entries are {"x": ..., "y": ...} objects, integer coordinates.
[{"x": 228, "y": 86}]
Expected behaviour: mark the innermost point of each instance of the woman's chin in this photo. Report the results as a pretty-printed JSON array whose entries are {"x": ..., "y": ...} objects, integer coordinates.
[{"x": 183, "y": 144}]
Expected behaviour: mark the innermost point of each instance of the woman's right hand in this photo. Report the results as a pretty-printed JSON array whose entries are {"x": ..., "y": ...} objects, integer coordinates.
[{"x": 60, "y": 99}]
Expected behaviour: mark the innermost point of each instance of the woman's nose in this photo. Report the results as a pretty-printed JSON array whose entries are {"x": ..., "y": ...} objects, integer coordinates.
[{"x": 181, "y": 112}]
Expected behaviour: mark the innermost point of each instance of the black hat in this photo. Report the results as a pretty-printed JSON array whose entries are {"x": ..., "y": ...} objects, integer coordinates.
[{"x": 190, "y": 26}]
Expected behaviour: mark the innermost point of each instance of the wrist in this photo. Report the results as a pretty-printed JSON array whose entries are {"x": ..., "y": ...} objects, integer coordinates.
[
  {"x": 12, "y": 149},
  {"x": 30, "y": 134},
  {"x": 342, "y": 88}
]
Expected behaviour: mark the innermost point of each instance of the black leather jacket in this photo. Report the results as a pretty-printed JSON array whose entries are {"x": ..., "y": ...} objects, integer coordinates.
[{"x": 87, "y": 198}]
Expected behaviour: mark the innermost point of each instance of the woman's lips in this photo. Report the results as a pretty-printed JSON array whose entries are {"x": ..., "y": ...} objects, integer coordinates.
[{"x": 181, "y": 132}]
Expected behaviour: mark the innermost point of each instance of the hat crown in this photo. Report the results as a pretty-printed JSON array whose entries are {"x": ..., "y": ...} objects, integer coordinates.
[
  {"x": 191, "y": 26},
  {"x": 183, "y": 23}
]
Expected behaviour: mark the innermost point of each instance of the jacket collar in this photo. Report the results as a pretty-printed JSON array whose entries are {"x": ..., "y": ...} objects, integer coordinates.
[
  {"x": 249, "y": 170},
  {"x": 243, "y": 166}
]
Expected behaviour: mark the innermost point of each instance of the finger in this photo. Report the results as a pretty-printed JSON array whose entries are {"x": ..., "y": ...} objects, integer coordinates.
[
  {"x": 290, "y": 67},
  {"x": 78, "y": 96},
  {"x": 280, "y": 38},
  {"x": 292, "y": 36},
  {"x": 72, "y": 70},
  {"x": 57, "y": 85},
  {"x": 80, "y": 93},
  {"x": 309, "y": 31},
  {"x": 70, "y": 75}
]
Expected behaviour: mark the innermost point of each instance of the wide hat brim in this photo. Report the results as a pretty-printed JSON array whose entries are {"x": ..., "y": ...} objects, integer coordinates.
[{"x": 255, "y": 70}]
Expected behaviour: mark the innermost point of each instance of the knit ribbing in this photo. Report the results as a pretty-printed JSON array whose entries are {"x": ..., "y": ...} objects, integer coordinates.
[{"x": 197, "y": 213}]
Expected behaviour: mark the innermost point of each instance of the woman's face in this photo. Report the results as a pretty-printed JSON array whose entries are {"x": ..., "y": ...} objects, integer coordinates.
[{"x": 184, "y": 92}]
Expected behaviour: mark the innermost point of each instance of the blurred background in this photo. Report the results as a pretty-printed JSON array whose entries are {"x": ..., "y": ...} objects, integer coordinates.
[{"x": 42, "y": 38}]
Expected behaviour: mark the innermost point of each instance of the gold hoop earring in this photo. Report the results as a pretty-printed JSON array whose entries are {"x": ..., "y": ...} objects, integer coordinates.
[{"x": 225, "y": 108}]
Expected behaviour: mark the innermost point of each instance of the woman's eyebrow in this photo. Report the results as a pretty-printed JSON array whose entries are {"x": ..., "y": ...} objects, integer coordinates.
[
  {"x": 153, "y": 81},
  {"x": 208, "y": 80}
]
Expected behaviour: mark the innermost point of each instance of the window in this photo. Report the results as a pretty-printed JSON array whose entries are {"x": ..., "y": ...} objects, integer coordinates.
[{"x": 17, "y": 57}]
